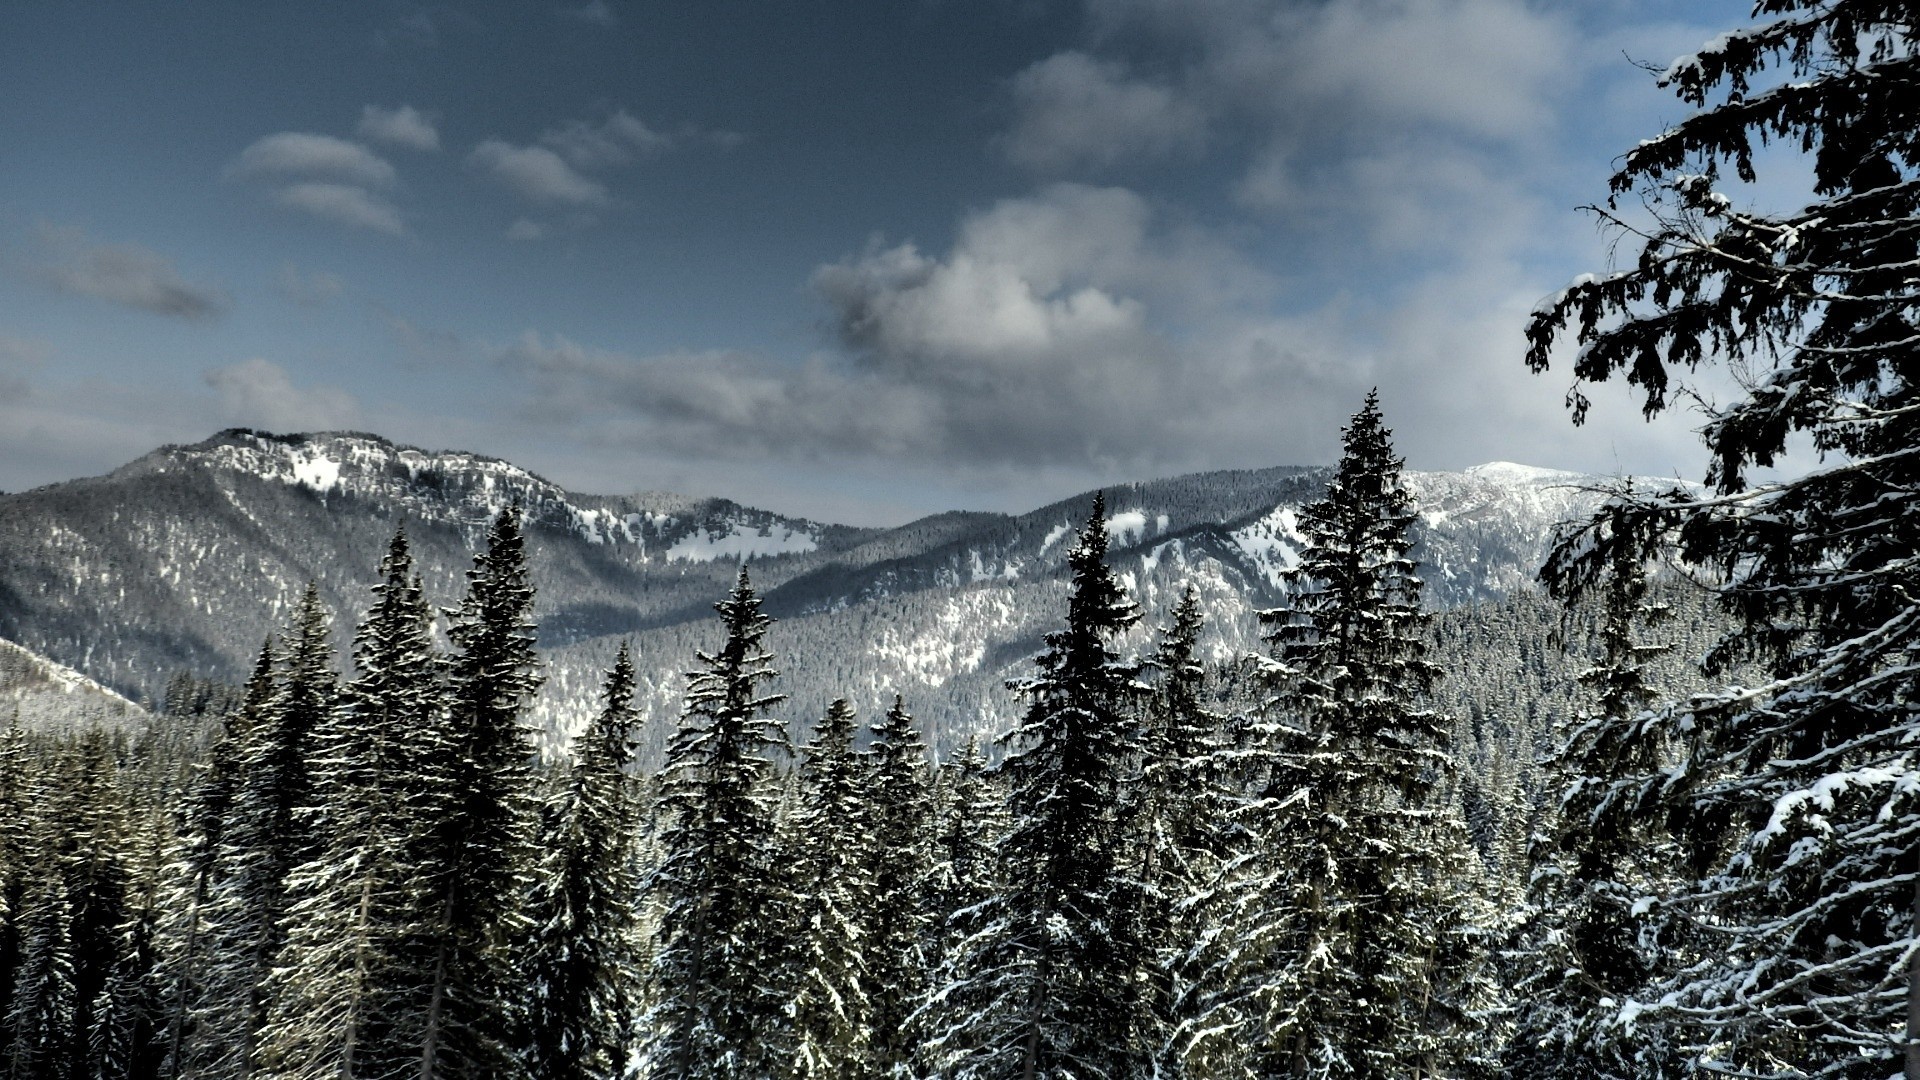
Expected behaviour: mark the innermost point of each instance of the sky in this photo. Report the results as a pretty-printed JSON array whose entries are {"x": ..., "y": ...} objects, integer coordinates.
[{"x": 858, "y": 261}]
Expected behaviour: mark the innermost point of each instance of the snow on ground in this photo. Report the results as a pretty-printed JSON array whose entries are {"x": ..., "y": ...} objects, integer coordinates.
[{"x": 736, "y": 543}]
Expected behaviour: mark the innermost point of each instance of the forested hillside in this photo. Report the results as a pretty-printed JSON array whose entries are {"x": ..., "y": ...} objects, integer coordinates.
[{"x": 1273, "y": 774}]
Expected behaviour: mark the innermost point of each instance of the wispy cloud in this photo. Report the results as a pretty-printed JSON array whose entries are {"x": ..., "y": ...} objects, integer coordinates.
[
  {"x": 345, "y": 204},
  {"x": 615, "y": 141},
  {"x": 596, "y": 13},
  {"x": 405, "y": 126},
  {"x": 537, "y": 174},
  {"x": 125, "y": 274},
  {"x": 308, "y": 289},
  {"x": 525, "y": 230},
  {"x": 259, "y": 393},
  {"x": 300, "y": 153}
]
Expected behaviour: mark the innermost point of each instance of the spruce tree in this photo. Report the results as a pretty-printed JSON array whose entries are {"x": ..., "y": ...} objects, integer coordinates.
[
  {"x": 474, "y": 785},
  {"x": 582, "y": 961},
  {"x": 899, "y": 916},
  {"x": 1183, "y": 812},
  {"x": 1604, "y": 864},
  {"x": 1792, "y": 789},
  {"x": 720, "y": 1003},
  {"x": 1351, "y": 913},
  {"x": 1051, "y": 979},
  {"x": 832, "y": 838},
  {"x": 344, "y": 996},
  {"x": 272, "y": 829}
]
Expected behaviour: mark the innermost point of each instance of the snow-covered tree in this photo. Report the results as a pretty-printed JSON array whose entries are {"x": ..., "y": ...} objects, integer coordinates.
[
  {"x": 1794, "y": 790},
  {"x": 1603, "y": 866},
  {"x": 899, "y": 915},
  {"x": 1183, "y": 811},
  {"x": 831, "y": 840},
  {"x": 720, "y": 1006},
  {"x": 583, "y": 964},
  {"x": 474, "y": 787},
  {"x": 343, "y": 998},
  {"x": 1355, "y": 940},
  {"x": 1050, "y": 981}
]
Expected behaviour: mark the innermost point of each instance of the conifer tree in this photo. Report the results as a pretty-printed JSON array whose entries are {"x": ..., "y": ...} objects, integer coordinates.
[
  {"x": 343, "y": 999},
  {"x": 475, "y": 785},
  {"x": 1792, "y": 789},
  {"x": 1183, "y": 819},
  {"x": 1353, "y": 916},
  {"x": 899, "y": 916},
  {"x": 832, "y": 841},
  {"x": 583, "y": 964},
  {"x": 1605, "y": 865},
  {"x": 718, "y": 966},
  {"x": 201, "y": 1017},
  {"x": 272, "y": 830},
  {"x": 1051, "y": 981}
]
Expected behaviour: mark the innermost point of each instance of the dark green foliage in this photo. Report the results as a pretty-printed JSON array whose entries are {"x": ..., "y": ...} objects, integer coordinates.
[
  {"x": 472, "y": 792},
  {"x": 831, "y": 839},
  {"x": 1356, "y": 953},
  {"x": 583, "y": 961},
  {"x": 900, "y": 914},
  {"x": 718, "y": 965},
  {"x": 1790, "y": 793},
  {"x": 1053, "y": 973}
]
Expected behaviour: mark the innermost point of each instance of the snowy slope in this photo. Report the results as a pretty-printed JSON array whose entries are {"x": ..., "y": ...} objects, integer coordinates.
[{"x": 185, "y": 559}]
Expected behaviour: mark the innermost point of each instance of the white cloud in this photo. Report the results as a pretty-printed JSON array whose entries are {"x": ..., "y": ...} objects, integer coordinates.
[
  {"x": 298, "y": 153},
  {"x": 1078, "y": 110},
  {"x": 614, "y": 141},
  {"x": 405, "y": 126},
  {"x": 537, "y": 174},
  {"x": 525, "y": 230},
  {"x": 125, "y": 274},
  {"x": 259, "y": 393},
  {"x": 347, "y": 205}
]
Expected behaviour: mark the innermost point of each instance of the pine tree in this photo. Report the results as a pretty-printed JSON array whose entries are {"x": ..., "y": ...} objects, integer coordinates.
[
  {"x": 899, "y": 916},
  {"x": 202, "y": 1015},
  {"x": 718, "y": 965},
  {"x": 582, "y": 963},
  {"x": 476, "y": 784},
  {"x": 832, "y": 839},
  {"x": 343, "y": 999},
  {"x": 1051, "y": 984},
  {"x": 1607, "y": 863},
  {"x": 1183, "y": 819},
  {"x": 272, "y": 828},
  {"x": 1351, "y": 908},
  {"x": 1792, "y": 790}
]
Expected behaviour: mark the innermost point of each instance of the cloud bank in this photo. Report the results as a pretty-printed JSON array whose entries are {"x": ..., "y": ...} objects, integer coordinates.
[{"x": 125, "y": 274}]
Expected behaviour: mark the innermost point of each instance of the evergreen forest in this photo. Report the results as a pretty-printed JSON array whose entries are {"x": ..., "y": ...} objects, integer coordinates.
[{"x": 1279, "y": 866}]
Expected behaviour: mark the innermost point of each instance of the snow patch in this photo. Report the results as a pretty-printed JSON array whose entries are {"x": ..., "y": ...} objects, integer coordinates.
[
  {"x": 317, "y": 472},
  {"x": 1127, "y": 526},
  {"x": 702, "y": 546}
]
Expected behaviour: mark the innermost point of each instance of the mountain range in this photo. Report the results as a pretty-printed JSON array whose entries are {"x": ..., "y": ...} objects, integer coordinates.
[{"x": 187, "y": 558}]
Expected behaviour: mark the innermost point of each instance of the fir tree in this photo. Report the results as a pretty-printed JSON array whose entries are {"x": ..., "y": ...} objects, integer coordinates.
[
  {"x": 1792, "y": 791},
  {"x": 1350, "y": 905},
  {"x": 1183, "y": 816},
  {"x": 272, "y": 829},
  {"x": 900, "y": 812},
  {"x": 582, "y": 966},
  {"x": 1603, "y": 867},
  {"x": 475, "y": 784},
  {"x": 343, "y": 1001},
  {"x": 720, "y": 1008},
  {"x": 832, "y": 839},
  {"x": 1051, "y": 983}
]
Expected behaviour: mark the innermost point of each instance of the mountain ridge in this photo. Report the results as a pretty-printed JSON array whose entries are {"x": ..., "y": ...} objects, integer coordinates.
[{"x": 183, "y": 559}]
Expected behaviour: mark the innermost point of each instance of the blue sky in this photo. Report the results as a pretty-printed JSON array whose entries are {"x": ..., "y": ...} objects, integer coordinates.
[{"x": 860, "y": 261}]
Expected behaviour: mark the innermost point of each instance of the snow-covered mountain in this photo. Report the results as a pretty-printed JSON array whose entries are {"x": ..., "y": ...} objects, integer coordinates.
[
  {"x": 38, "y": 694},
  {"x": 185, "y": 559}
]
